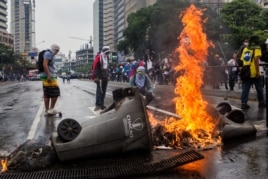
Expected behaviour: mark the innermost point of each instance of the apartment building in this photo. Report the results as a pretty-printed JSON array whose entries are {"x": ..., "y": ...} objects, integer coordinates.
[
  {"x": 22, "y": 25},
  {"x": 5, "y": 37},
  {"x": 108, "y": 24}
]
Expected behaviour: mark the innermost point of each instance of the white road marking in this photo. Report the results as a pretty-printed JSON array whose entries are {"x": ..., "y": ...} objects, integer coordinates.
[
  {"x": 90, "y": 117},
  {"x": 95, "y": 112},
  {"x": 37, "y": 119}
]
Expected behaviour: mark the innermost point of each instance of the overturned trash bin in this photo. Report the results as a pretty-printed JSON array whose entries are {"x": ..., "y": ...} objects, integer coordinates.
[
  {"x": 234, "y": 114},
  {"x": 125, "y": 128},
  {"x": 237, "y": 130},
  {"x": 233, "y": 120}
]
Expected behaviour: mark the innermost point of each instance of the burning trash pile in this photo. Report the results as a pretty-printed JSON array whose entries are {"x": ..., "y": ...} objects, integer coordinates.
[
  {"x": 30, "y": 156},
  {"x": 200, "y": 125},
  {"x": 196, "y": 128}
]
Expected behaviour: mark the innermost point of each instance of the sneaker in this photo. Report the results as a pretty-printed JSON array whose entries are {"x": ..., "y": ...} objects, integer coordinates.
[
  {"x": 245, "y": 106},
  {"x": 262, "y": 105},
  {"x": 97, "y": 108},
  {"x": 52, "y": 111},
  {"x": 103, "y": 107}
]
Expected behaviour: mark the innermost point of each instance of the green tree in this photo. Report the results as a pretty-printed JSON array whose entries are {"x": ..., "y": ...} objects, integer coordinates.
[
  {"x": 123, "y": 46},
  {"x": 85, "y": 68},
  {"x": 135, "y": 33},
  {"x": 243, "y": 18},
  {"x": 157, "y": 28}
]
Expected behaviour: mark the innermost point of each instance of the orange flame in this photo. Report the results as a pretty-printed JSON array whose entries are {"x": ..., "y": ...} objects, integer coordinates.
[
  {"x": 4, "y": 165},
  {"x": 189, "y": 102}
]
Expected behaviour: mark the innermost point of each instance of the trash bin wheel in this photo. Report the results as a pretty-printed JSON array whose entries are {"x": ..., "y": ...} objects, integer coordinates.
[
  {"x": 224, "y": 108},
  {"x": 236, "y": 116},
  {"x": 68, "y": 129}
]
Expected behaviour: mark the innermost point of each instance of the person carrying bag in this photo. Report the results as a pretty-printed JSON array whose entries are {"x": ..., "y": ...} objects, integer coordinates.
[
  {"x": 250, "y": 73},
  {"x": 245, "y": 70}
]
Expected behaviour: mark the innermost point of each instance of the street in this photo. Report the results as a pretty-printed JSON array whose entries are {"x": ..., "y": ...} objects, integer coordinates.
[{"x": 22, "y": 119}]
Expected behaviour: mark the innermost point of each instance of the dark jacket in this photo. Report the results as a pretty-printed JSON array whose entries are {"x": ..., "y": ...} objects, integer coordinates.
[{"x": 98, "y": 71}]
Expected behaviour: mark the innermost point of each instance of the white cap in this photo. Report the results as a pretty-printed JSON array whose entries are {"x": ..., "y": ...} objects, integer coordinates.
[
  {"x": 105, "y": 49},
  {"x": 55, "y": 48},
  {"x": 266, "y": 42},
  {"x": 141, "y": 69}
]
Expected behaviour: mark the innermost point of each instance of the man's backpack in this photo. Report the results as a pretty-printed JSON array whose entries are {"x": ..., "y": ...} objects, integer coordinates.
[{"x": 39, "y": 63}]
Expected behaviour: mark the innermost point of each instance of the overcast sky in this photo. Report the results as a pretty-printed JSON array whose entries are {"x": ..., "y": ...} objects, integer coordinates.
[{"x": 57, "y": 20}]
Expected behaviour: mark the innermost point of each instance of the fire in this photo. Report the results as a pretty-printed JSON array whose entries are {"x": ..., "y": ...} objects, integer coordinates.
[
  {"x": 190, "y": 105},
  {"x": 4, "y": 165}
]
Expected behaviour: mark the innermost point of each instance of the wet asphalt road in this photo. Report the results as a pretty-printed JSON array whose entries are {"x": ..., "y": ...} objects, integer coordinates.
[{"x": 22, "y": 118}]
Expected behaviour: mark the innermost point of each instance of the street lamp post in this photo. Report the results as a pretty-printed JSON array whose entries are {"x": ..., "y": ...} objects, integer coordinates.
[{"x": 40, "y": 42}]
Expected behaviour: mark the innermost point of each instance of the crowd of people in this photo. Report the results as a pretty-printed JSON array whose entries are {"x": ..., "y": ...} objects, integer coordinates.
[
  {"x": 143, "y": 73},
  {"x": 217, "y": 71},
  {"x": 161, "y": 71},
  {"x": 252, "y": 54}
]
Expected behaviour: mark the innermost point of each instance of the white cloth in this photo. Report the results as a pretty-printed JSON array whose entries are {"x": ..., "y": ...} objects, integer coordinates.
[
  {"x": 149, "y": 64},
  {"x": 232, "y": 62},
  {"x": 261, "y": 69},
  {"x": 166, "y": 63},
  {"x": 140, "y": 80},
  {"x": 104, "y": 59}
]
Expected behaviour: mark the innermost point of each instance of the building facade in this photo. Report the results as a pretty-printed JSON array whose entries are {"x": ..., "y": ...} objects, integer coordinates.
[
  {"x": 84, "y": 56},
  {"x": 119, "y": 20},
  {"x": 108, "y": 24},
  {"x": 98, "y": 25},
  {"x": 3, "y": 15},
  {"x": 5, "y": 37},
  {"x": 22, "y": 25}
]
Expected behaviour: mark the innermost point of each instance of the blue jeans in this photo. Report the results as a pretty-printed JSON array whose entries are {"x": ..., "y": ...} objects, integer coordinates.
[
  {"x": 246, "y": 85},
  {"x": 232, "y": 79},
  {"x": 100, "y": 92}
]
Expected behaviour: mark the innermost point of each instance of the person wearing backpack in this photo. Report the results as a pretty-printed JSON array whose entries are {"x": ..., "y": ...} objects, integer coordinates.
[
  {"x": 250, "y": 56},
  {"x": 48, "y": 76},
  {"x": 143, "y": 83}
]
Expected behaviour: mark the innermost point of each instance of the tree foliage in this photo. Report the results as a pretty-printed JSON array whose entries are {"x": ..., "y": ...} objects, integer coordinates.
[
  {"x": 157, "y": 28},
  {"x": 243, "y": 18},
  {"x": 7, "y": 55}
]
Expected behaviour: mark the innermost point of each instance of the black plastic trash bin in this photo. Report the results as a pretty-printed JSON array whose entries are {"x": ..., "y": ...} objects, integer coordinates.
[{"x": 122, "y": 129}]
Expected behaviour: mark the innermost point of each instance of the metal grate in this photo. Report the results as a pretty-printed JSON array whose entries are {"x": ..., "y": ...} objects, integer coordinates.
[{"x": 121, "y": 170}]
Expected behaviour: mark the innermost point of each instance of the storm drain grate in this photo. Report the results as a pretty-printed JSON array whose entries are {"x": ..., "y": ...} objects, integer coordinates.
[{"x": 111, "y": 171}]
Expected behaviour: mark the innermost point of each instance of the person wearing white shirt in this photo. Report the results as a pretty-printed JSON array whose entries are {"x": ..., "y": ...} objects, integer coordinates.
[{"x": 232, "y": 71}]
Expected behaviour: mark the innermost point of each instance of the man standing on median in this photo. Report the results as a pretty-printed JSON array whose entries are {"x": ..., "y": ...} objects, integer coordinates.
[
  {"x": 49, "y": 79},
  {"x": 100, "y": 75}
]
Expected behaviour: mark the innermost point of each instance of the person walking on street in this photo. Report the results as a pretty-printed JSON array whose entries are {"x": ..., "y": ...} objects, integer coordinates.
[
  {"x": 218, "y": 72},
  {"x": 143, "y": 83},
  {"x": 100, "y": 75},
  {"x": 49, "y": 79},
  {"x": 232, "y": 71},
  {"x": 250, "y": 56}
]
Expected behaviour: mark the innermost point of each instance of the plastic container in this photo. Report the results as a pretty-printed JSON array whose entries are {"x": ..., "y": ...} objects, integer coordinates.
[{"x": 123, "y": 129}]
